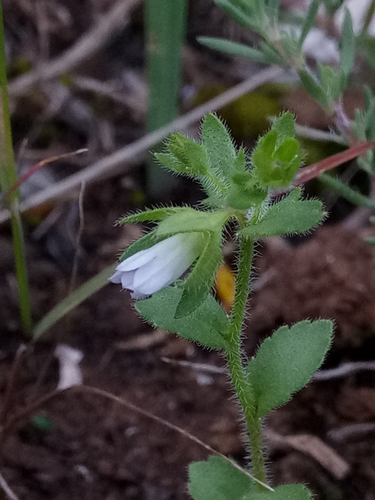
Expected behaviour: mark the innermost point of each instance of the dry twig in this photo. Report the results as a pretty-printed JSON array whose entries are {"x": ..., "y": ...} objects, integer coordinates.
[
  {"x": 88, "y": 45},
  {"x": 114, "y": 163},
  {"x": 6, "y": 489},
  {"x": 314, "y": 447}
]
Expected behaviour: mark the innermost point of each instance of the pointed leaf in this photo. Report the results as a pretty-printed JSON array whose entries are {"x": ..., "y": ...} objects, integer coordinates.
[
  {"x": 190, "y": 220},
  {"x": 238, "y": 14},
  {"x": 287, "y": 217},
  {"x": 313, "y": 87},
  {"x": 309, "y": 20},
  {"x": 286, "y": 361},
  {"x": 208, "y": 325},
  {"x": 73, "y": 300},
  {"x": 186, "y": 156},
  {"x": 219, "y": 147},
  {"x": 235, "y": 49},
  {"x": 347, "y": 51},
  {"x": 217, "y": 479},
  {"x": 285, "y": 127},
  {"x": 151, "y": 215}
]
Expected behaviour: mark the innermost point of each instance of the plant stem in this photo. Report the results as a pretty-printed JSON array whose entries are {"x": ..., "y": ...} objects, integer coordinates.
[
  {"x": 234, "y": 358},
  {"x": 346, "y": 192},
  {"x": 8, "y": 177}
]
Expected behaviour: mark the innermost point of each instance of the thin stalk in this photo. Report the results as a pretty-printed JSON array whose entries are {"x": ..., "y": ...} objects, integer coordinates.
[
  {"x": 235, "y": 364},
  {"x": 8, "y": 177},
  {"x": 346, "y": 192}
]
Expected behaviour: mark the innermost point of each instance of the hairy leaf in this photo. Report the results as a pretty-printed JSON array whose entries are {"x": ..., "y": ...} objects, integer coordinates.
[
  {"x": 286, "y": 361},
  {"x": 287, "y": 217},
  {"x": 208, "y": 325},
  {"x": 217, "y": 479}
]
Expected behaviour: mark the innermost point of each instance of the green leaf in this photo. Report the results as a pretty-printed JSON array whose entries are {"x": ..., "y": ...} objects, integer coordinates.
[
  {"x": 73, "y": 300},
  {"x": 276, "y": 166},
  {"x": 191, "y": 220},
  {"x": 313, "y": 87},
  {"x": 217, "y": 479},
  {"x": 186, "y": 156},
  {"x": 347, "y": 51},
  {"x": 309, "y": 20},
  {"x": 238, "y": 14},
  {"x": 273, "y": 9},
  {"x": 151, "y": 215},
  {"x": 284, "y": 492},
  {"x": 235, "y": 49},
  {"x": 208, "y": 325},
  {"x": 287, "y": 217},
  {"x": 286, "y": 361},
  {"x": 220, "y": 150},
  {"x": 245, "y": 192},
  {"x": 200, "y": 281},
  {"x": 333, "y": 82},
  {"x": 285, "y": 127},
  {"x": 273, "y": 55}
]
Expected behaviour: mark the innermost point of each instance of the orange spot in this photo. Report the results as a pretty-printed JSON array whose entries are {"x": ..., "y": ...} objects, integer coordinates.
[{"x": 225, "y": 284}]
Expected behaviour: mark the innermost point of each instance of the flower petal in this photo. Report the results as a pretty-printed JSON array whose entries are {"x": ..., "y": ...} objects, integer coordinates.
[
  {"x": 127, "y": 280},
  {"x": 162, "y": 272},
  {"x": 116, "y": 277},
  {"x": 142, "y": 257}
]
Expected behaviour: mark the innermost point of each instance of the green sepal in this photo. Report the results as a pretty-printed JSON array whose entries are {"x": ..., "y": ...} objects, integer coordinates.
[
  {"x": 219, "y": 147},
  {"x": 284, "y": 492},
  {"x": 218, "y": 479},
  {"x": 200, "y": 280},
  {"x": 276, "y": 158},
  {"x": 288, "y": 217},
  {"x": 208, "y": 325},
  {"x": 286, "y": 361},
  {"x": 191, "y": 220},
  {"x": 155, "y": 214}
]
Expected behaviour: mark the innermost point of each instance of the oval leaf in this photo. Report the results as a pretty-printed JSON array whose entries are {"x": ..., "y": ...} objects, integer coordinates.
[
  {"x": 286, "y": 361},
  {"x": 208, "y": 325}
]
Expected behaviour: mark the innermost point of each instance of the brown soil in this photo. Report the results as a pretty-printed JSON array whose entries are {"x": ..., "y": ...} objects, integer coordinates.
[{"x": 99, "y": 449}]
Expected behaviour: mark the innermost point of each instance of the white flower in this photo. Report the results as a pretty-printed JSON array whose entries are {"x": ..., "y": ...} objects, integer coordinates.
[{"x": 148, "y": 271}]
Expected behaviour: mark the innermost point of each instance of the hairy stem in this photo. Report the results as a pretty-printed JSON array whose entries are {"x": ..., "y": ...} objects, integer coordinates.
[{"x": 235, "y": 364}]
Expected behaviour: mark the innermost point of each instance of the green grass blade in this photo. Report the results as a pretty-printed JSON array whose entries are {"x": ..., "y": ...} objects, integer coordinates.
[
  {"x": 346, "y": 192},
  {"x": 165, "y": 33},
  {"x": 8, "y": 177},
  {"x": 73, "y": 300}
]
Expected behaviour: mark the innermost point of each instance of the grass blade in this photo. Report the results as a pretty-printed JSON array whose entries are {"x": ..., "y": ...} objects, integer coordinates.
[
  {"x": 165, "y": 33},
  {"x": 73, "y": 300},
  {"x": 8, "y": 177}
]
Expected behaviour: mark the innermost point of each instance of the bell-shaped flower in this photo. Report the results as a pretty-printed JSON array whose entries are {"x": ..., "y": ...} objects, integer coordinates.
[{"x": 150, "y": 270}]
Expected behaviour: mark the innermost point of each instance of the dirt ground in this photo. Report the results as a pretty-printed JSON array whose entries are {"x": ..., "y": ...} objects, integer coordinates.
[{"x": 83, "y": 445}]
